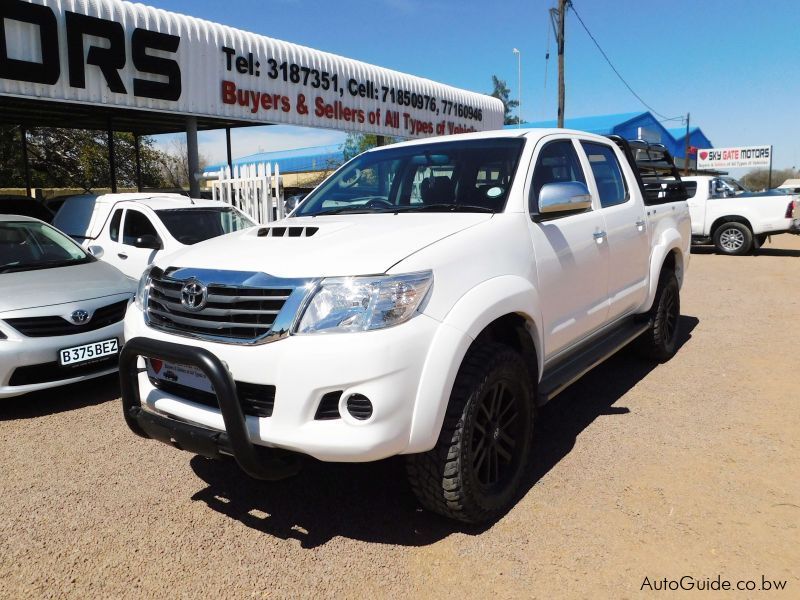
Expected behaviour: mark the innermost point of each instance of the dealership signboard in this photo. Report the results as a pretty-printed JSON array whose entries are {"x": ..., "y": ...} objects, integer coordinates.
[
  {"x": 110, "y": 54},
  {"x": 732, "y": 158}
]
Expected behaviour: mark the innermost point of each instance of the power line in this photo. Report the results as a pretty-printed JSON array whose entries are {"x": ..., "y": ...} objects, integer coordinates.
[{"x": 613, "y": 68}]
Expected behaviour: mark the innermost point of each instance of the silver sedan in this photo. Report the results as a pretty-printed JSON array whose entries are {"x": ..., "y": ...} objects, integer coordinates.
[{"x": 61, "y": 310}]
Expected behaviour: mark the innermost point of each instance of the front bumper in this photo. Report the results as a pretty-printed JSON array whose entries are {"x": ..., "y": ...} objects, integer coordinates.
[
  {"x": 385, "y": 366},
  {"x": 234, "y": 441},
  {"x": 30, "y": 364}
]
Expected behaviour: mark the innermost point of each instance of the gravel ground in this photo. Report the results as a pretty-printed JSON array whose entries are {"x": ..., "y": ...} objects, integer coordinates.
[{"x": 688, "y": 468}]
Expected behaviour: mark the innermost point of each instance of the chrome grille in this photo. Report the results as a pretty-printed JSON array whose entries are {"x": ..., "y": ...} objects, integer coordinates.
[{"x": 237, "y": 308}]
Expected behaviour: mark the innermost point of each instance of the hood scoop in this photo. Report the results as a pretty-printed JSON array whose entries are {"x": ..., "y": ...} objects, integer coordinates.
[{"x": 287, "y": 231}]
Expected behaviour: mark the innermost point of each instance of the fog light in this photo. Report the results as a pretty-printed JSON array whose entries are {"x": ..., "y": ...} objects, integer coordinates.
[{"x": 359, "y": 407}]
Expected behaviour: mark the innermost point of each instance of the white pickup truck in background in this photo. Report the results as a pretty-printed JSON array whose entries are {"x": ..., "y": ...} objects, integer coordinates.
[
  {"x": 735, "y": 220},
  {"x": 131, "y": 230},
  {"x": 423, "y": 300}
]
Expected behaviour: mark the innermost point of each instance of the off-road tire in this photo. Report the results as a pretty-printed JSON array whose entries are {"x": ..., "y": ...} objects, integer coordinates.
[
  {"x": 445, "y": 479},
  {"x": 733, "y": 238},
  {"x": 660, "y": 341}
]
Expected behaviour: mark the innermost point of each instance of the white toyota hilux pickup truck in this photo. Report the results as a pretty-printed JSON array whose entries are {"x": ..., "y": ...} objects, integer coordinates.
[
  {"x": 734, "y": 219},
  {"x": 423, "y": 301}
]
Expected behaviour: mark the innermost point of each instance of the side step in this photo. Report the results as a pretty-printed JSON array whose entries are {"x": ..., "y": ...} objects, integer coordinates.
[{"x": 565, "y": 373}]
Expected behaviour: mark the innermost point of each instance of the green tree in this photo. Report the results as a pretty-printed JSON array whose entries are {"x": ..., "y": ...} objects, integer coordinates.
[
  {"x": 356, "y": 143},
  {"x": 174, "y": 164},
  {"x": 758, "y": 179},
  {"x": 76, "y": 158},
  {"x": 11, "y": 169},
  {"x": 502, "y": 92}
]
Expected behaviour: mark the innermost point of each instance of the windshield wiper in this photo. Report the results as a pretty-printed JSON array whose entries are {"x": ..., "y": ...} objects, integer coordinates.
[
  {"x": 342, "y": 210},
  {"x": 10, "y": 266},
  {"x": 52, "y": 264},
  {"x": 444, "y": 207}
]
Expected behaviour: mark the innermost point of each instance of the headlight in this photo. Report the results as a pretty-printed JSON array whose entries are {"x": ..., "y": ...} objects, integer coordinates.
[
  {"x": 348, "y": 304},
  {"x": 144, "y": 284}
]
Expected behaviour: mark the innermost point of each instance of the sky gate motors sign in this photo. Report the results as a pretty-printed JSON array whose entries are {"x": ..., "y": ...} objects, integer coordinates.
[
  {"x": 118, "y": 54},
  {"x": 731, "y": 158}
]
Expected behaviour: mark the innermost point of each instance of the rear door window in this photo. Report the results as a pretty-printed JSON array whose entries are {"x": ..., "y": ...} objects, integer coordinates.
[
  {"x": 611, "y": 185},
  {"x": 113, "y": 228}
]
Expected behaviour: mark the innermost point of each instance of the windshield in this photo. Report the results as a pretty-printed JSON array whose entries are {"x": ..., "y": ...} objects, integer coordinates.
[
  {"x": 468, "y": 175},
  {"x": 192, "y": 225},
  {"x": 29, "y": 245}
]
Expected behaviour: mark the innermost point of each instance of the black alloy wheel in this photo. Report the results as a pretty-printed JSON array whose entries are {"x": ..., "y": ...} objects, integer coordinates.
[
  {"x": 475, "y": 471},
  {"x": 495, "y": 432},
  {"x": 660, "y": 340}
]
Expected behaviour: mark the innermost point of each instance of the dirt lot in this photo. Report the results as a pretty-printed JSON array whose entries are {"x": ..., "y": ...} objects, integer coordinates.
[{"x": 688, "y": 468}]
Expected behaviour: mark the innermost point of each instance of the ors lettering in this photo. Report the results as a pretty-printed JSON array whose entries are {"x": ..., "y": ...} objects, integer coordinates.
[
  {"x": 49, "y": 70},
  {"x": 109, "y": 58}
]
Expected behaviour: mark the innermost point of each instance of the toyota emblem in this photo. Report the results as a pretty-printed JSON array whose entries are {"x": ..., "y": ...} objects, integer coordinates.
[
  {"x": 79, "y": 317},
  {"x": 194, "y": 295}
]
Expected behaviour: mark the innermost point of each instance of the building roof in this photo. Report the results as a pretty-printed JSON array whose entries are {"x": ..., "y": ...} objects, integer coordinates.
[
  {"x": 629, "y": 126},
  {"x": 790, "y": 183},
  {"x": 680, "y": 132},
  {"x": 194, "y": 78},
  {"x": 297, "y": 160}
]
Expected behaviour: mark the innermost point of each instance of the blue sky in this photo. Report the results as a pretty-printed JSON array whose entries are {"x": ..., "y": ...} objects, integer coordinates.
[{"x": 734, "y": 64}]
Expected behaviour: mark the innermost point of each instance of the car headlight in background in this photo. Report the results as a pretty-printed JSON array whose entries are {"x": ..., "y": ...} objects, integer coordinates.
[
  {"x": 144, "y": 284},
  {"x": 349, "y": 304}
]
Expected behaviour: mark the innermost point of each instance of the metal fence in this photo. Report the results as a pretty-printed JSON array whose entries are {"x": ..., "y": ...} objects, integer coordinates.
[{"x": 255, "y": 189}]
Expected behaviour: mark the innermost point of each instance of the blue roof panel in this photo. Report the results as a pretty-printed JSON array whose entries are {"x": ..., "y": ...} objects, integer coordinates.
[
  {"x": 297, "y": 160},
  {"x": 627, "y": 125}
]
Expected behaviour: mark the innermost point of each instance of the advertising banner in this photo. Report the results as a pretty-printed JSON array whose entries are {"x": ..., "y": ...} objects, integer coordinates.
[
  {"x": 111, "y": 53},
  {"x": 733, "y": 158}
]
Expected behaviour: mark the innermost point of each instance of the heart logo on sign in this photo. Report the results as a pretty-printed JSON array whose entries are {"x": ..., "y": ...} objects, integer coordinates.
[
  {"x": 156, "y": 364},
  {"x": 703, "y": 155}
]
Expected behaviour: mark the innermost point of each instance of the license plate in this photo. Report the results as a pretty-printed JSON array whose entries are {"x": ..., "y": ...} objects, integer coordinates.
[
  {"x": 186, "y": 375},
  {"x": 87, "y": 352}
]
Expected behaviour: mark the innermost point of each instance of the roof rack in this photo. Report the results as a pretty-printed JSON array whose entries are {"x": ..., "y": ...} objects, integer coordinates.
[{"x": 656, "y": 170}]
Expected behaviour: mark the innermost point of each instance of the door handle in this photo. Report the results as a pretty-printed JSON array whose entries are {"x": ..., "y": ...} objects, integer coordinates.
[
  {"x": 599, "y": 236},
  {"x": 122, "y": 255},
  {"x": 640, "y": 224}
]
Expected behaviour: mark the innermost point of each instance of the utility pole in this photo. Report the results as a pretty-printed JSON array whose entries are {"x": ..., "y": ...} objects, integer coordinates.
[
  {"x": 686, "y": 151},
  {"x": 558, "y": 18},
  {"x": 519, "y": 87},
  {"x": 769, "y": 181}
]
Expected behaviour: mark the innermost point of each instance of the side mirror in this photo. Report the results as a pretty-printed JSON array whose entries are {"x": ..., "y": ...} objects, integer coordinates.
[
  {"x": 96, "y": 251},
  {"x": 565, "y": 197},
  {"x": 151, "y": 242}
]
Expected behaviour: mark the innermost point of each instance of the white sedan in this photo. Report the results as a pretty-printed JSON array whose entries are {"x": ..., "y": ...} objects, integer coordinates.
[{"x": 61, "y": 309}]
